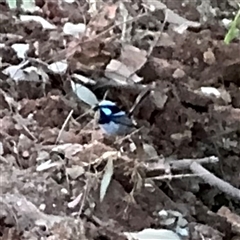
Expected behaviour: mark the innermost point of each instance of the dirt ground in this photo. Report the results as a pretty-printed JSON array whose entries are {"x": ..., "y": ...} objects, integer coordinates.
[{"x": 184, "y": 173}]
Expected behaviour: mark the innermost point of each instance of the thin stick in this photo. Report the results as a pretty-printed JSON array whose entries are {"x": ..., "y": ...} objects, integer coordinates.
[
  {"x": 83, "y": 115},
  {"x": 115, "y": 25},
  {"x": 139, "y": 100},
  {"x": 127, "y": 136},
  {"x": 64, "y": 125},
  {"x": 158, "y": 38},
  {"x": 170, "y": 177},
  {"x": 147, "y": 91}
]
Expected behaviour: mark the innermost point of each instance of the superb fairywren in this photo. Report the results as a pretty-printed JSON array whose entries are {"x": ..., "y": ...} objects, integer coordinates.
[{"x": 112, "y": 120}]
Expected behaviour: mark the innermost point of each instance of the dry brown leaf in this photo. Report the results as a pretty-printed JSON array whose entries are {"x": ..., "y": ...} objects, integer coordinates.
[
  {"x": 133, "y": 57},
  {"x": 120, "y": 73}
]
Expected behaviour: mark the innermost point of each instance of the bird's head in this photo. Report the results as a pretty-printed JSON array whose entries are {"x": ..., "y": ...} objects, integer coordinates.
[
  {"x": 112, "y": 119},
  {"x": 108, "y": 108}
]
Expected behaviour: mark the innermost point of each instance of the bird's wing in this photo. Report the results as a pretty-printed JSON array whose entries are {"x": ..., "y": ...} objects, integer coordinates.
[{"x": 124, "y": 120}]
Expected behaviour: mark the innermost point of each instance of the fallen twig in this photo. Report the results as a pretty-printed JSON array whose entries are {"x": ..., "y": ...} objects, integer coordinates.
[
  {"x": 211, "y": 179},
  {"x": 185, "y": 163},
  {"x": 179, "y": 164},
  {"x": 64, "y": 125}
]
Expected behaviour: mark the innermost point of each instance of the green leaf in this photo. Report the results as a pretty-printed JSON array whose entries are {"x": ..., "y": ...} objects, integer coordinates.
[{"x": 234, "y": 31}]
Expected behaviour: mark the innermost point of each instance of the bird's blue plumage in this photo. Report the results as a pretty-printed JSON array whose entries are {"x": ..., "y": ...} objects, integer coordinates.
[{"x": 112, "y": 119}]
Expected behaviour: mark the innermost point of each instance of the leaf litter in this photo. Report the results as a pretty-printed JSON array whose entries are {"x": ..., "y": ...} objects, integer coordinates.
[{"x": 167, "y": 64}]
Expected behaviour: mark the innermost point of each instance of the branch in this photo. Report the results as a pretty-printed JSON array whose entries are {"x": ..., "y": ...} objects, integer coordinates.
[{"x": 211, "y": 179}]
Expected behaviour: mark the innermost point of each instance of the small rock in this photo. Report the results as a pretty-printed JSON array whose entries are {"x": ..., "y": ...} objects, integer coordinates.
[
  {"x": 25, "y": 154},
  {"x": 42, "y": 207},
  {"x": 209, "y": 57},
  {"x": 178, "y": 73}
]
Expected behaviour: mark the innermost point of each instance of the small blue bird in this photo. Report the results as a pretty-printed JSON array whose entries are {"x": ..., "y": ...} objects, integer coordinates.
[{"x": 112, "y": 120}]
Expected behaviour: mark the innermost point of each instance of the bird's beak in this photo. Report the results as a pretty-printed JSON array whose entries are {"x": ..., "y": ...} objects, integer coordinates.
[{"x": 96, "y": 107}]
